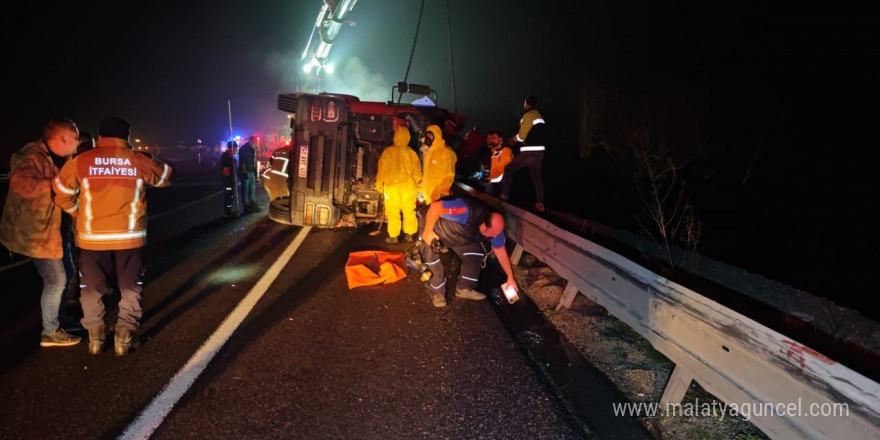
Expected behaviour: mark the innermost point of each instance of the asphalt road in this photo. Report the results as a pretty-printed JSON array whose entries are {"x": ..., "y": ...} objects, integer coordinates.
[{"x": 228, "y": 350}]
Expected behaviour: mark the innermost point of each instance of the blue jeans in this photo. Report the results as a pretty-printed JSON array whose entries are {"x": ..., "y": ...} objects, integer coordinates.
[
  {"x": 69, "y": 271},
  {"x": 54, "y": 281},
  {"x": 248, "y": 190}
]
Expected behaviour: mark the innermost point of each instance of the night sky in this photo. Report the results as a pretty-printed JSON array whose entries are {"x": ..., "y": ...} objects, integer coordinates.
[
  {"x": 171, "y": 68},
  {"x": 786, "y": 86}
]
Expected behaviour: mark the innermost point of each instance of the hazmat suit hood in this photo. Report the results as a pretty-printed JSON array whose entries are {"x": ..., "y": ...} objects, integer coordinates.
[
  {"x": 399, "y": 166},
  {"x": 401, "y": 136},
  {"x": 438, "y": 169},
  {"x": 439, "y": 142}
]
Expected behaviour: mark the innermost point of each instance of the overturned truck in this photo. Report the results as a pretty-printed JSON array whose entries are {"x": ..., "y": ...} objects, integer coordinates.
[{"x": 326, "y": 178}]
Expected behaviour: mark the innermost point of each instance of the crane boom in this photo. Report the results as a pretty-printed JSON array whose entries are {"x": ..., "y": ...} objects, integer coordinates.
[{"x": 330, "y": 19}]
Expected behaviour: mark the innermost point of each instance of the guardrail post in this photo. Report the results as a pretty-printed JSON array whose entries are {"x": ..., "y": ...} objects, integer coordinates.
[
  {"x": 516, "y": 254},
  {"x": 677, "y": 386},
  {"x": 568, "y": 295}
]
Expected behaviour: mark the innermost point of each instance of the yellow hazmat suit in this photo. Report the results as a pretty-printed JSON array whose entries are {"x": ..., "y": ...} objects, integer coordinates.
[
  {"x": 438, "y": 169},
  {"x": 398, "y": 177}
]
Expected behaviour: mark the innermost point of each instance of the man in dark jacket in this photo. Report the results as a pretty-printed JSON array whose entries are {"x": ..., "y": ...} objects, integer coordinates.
[
  {"x": 532, "y": 135},
  {"x": 463, "y": 223},
  {"x": 247, "y": 156},
  {"x": 230, "y": 186}
]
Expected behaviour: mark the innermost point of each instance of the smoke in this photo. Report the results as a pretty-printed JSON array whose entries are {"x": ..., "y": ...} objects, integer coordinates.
[
  {"x": 352, "y": 77},
  {"x": 285, "y": 67}
]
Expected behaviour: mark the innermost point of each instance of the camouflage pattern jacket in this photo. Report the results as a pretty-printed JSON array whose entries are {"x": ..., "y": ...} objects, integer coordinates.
[{"x": 31, "y": 223}]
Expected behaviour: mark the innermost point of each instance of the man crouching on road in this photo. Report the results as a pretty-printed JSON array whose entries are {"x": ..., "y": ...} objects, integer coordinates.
[
  {"x": 105, "y": 189},
  {"x": 463, "y": 223}
]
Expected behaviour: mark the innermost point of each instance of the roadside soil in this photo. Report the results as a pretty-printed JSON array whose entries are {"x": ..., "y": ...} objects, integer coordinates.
[{"x": 627, "y": 359}]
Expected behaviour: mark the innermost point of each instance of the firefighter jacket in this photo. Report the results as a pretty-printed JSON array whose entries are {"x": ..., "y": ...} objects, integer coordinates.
[
  {"x": 399, "y": 165},
  {"x": 438, "y": 168},
  {"x": 31, "y": 223},
  {"x": 105, "y": 190},
  {"x": 500, "y": 158},
  {"x": 532, "y": 131}
]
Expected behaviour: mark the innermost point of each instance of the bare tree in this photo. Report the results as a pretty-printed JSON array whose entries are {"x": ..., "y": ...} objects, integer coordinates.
[
  {"x": 655, "y": 167},
  {"x": 661, "y": 191}
]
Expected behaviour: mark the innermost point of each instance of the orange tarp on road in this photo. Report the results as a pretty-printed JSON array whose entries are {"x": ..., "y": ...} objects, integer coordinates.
[{"x": 368, "y": 268}]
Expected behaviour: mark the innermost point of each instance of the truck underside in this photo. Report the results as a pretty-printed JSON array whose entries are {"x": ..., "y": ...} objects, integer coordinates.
[{"x": 327, "y": 176}]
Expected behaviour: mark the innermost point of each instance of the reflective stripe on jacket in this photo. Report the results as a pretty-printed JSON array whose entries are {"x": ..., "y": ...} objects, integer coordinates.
[
  {"x": 105, "y": 189},
  {"x": 499, "y": 160},
  {"x": 532, "y": 131}
]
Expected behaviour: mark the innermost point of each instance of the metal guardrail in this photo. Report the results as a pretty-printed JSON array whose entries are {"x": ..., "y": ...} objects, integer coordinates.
[{"x": 786, "y": 386}]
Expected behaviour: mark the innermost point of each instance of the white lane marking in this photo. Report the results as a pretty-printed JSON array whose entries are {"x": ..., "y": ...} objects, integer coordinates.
[{"x": 153, "y": 415}]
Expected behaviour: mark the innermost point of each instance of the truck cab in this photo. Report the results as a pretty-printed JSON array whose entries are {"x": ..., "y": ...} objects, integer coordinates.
[{"x": 326, "y": 177}]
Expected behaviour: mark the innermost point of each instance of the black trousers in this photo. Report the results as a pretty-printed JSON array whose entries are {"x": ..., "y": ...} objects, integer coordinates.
[{"x": 531, "y": 160}]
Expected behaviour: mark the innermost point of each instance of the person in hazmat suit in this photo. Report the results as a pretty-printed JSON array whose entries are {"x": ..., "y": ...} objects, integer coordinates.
[
  {"x": 398, "y": 180},
  {"x": 438, "y": 165}
]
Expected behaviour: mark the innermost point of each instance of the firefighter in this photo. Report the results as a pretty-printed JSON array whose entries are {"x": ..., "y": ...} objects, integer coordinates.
[
  {"x": 438, "y": 165},
  {"x": 398, "y": 180},
  {"x": 105, "y": 190}
]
